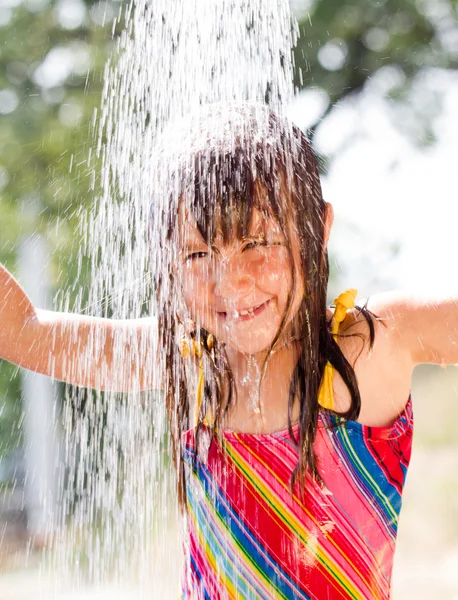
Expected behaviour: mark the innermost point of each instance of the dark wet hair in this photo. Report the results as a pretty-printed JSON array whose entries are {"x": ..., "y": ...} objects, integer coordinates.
[{"x": 232, "y": 159}]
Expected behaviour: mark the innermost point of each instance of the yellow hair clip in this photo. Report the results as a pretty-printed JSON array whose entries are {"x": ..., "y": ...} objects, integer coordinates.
[
  {"x": 200, "y": 385},
  {"x": 199, "y": 392},
  {"x": 343, "y": 302},
  {"x": 195, "y": 349},
  {"x": 184, "y": 348}
]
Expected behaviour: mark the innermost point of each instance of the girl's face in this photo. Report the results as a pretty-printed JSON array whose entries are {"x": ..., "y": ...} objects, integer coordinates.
[{"x": 239, "y": 291}]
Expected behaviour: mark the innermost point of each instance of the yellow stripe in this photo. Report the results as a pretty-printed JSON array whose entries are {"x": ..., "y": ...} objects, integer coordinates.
[
  {"x": 225, "y": 581},
  {"x": 357, "y": 461},
  {"x": 299, "y": 529},
  {"x": 209, "y": 555}
]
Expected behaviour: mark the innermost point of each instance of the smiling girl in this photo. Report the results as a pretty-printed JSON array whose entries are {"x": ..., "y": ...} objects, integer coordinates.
[{"x": 291, "y": 421}]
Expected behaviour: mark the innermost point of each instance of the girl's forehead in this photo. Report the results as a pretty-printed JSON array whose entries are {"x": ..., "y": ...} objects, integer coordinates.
[
  {"x": 260, "y": 223},
  {"x": 189, "y": 231}
]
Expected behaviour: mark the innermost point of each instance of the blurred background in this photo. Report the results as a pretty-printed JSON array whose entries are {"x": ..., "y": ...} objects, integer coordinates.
[{"x": 377, "y": 92}]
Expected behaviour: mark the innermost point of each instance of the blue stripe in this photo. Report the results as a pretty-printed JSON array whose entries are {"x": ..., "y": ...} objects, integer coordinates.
[
  {"x": 376, "y": 499},
  {"x": 225, "y": 560},
  {"x": 197, "y": 572},
  {"x": 255, "y": 553}
]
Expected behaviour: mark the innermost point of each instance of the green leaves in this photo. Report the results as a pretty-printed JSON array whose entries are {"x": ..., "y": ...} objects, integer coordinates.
[{"x": 344, "y": 45}]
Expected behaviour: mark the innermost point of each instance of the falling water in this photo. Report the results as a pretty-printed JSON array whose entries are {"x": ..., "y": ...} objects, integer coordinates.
[{"x": 172, "y": 57}]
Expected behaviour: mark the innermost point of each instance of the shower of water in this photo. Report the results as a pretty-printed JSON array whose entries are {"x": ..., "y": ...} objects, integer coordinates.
[{"x": 173, "y": 57}]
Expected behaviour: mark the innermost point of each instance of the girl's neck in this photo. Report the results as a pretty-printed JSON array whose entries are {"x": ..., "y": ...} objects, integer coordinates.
[{"x": 262, "y": 408}]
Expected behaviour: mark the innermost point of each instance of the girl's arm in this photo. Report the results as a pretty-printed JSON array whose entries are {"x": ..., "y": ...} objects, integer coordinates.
[
  {"x": 424, "y": 328},
  {"x": 86, "y": 351}
]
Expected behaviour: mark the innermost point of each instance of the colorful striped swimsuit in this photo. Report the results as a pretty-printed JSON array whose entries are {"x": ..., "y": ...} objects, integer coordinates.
[{"x": 250, "y": 538}]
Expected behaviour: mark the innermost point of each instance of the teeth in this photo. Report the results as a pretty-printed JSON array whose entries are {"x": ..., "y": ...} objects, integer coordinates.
[
  {"x": 248, "y": 311},
  {"x": 235, "y": 314}
]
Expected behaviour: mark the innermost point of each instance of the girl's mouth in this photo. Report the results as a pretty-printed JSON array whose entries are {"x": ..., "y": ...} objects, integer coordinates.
[{"x": 245, "y": 315}]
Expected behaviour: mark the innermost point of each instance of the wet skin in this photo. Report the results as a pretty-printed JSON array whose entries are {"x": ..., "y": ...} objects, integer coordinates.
[{"x": 239, "y": 292}]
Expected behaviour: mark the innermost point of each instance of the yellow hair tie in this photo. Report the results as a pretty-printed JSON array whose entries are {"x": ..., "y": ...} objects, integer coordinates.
[
  {"x": 195, "y": 349},
  {"x": 343, "y": 302},
  {"x": 199, "y": 392}
]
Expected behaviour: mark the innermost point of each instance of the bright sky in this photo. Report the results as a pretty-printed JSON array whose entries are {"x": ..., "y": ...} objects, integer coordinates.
[{"x": 385, "y": 191}]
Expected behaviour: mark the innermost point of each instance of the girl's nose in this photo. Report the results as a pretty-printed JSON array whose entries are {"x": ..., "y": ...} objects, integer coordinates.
[{"x": 232, "y": 280}]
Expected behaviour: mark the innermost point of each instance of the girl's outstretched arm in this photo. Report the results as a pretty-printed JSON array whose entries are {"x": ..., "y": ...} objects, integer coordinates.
[
  {"x": 426, "y": 327},
  {"x": 87, "y": 351}
]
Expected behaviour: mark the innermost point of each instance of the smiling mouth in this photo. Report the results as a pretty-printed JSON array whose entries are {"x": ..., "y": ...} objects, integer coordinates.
[{"x": 245, "y": 315}]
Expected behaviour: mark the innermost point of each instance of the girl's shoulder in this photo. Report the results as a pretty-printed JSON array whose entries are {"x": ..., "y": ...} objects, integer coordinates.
[{"x": 383, "y": 371}]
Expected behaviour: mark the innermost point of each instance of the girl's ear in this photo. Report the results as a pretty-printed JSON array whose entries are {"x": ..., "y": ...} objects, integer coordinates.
[{"x": 329, "y": 219}]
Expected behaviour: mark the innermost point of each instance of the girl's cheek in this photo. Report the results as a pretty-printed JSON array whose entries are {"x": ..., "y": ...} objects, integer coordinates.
[
  {"x": 190, "y": 287},
  {"x": 194, "y": 276},
  {"x": 195, "y": 289},
  {"x": 274, "y": 267}
]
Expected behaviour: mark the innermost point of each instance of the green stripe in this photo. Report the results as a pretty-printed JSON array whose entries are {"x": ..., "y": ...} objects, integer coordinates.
[
  {"x": 279, "y": 513},
  {"x": 250, "y": 559},
  {"x": 370, "y": 480}
]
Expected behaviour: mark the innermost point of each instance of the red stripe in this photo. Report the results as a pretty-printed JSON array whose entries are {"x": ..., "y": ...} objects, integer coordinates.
[
  {"x": 283, "y": 544},
  {"x": 325, "y": 511}
]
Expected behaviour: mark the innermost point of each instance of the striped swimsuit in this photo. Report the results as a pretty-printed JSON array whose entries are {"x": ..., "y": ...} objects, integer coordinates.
[{"x": 249, "y": 537}]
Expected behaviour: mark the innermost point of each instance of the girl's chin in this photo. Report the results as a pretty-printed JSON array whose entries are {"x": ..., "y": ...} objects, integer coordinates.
[
  {"x": 251, "y": 342},
  {"x": 249, "y": 336},
  {"x": 250, "y": 348}
]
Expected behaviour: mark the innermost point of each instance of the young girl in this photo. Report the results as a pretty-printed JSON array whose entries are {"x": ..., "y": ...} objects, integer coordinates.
[{"x": 291, "y": 421}]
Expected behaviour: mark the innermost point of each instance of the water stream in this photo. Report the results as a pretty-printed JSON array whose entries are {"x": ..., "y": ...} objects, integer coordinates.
[{"x": 173, "y": 57}]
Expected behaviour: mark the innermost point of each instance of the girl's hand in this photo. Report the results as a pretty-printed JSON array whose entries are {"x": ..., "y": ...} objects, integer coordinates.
[{"x": 86, "y": 351}]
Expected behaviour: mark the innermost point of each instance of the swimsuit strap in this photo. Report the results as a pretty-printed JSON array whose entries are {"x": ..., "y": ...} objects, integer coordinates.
[{"x": 342, "y": 303}]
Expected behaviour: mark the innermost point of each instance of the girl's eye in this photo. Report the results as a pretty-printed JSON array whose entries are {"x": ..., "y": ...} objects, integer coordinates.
[
  {"x": 255, "y": 244},
  {"x": 195, "y": 255},
  {"x": 262, "y": 244}
]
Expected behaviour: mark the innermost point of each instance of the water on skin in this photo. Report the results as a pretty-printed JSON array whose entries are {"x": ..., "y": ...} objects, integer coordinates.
[{"x": 172, "y": 57}]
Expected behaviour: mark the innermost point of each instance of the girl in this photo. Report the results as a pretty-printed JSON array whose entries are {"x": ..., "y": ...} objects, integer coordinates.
[{"x": 291, "y": 421}]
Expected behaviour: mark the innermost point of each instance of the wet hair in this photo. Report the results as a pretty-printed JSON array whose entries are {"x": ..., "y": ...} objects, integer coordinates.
[{"x": 230, "y": 161}]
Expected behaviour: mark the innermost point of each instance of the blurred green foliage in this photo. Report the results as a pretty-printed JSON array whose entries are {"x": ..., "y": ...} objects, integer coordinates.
[
  {"x": 51, "y": 64},
  {"x": 343, "y": 46}
]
